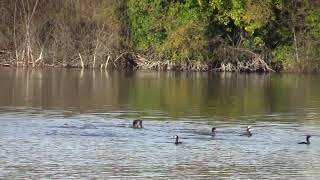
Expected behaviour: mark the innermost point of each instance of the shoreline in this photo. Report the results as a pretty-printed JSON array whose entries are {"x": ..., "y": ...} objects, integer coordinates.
[{"x": 256, "y": 65}]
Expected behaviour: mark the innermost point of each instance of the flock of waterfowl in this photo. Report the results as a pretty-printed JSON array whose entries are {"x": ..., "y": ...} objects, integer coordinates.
[{"x": 137, "y": 124}]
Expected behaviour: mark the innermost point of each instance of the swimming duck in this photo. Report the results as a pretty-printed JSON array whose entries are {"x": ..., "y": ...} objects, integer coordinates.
[
  {"x": 307, "y": 140},
  {"x": 177, "y": 140},
  {"x": 213, "y": 131},
  {"x": 248, "y": 132},
  {"x": 137, "y": 124}
]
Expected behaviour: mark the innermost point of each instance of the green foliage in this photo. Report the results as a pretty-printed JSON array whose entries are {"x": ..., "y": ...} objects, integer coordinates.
[
  {"x": 185, "y": 43},
  {"x": 282, "y": 53},
  {"x": 247, "y": 14},
  {"x": 313, "y": 20},
  {"x": 174, "y": 29},
  {"x": 184, "y": 29},
  {"x": 146, "y": 19}
]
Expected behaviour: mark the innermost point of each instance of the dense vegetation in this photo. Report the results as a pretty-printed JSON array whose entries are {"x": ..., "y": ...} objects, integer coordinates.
[{"x": 227, "y": 35}]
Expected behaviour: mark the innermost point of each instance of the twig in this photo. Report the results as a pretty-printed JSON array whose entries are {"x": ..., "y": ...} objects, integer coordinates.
[
  {"x": 39, "y": 58},
  {"x": 94, "y": 55},
  {"x": 82, "y": 65},
  {"x": 120, "y": 56},
  {"x": 107, "y": 62}
]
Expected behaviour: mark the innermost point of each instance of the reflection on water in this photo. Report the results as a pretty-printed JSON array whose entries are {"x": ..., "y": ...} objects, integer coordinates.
[
  {"x": 58, "y": 123},
  {"x": 177, "y": 94}
]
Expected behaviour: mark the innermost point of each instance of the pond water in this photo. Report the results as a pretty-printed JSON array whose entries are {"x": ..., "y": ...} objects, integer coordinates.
[{"x": 76, "y": 124}]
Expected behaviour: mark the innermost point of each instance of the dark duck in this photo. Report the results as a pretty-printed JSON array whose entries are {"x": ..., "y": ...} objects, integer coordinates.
[
  {"x": 307, "y": 140},
  {"x": 137, "y": 124},
  {"x": 213, "y": 132},
  {"x": 177, "y": 140},
  {"x": 248, "y": 132}
]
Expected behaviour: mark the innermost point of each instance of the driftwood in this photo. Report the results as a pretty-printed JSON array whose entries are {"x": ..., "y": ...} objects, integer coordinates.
[
  {"x": 144, "y": 63},
  {"x": 255, "y": 64}
]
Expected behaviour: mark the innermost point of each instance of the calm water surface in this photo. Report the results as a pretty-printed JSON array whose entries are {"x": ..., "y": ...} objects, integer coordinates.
[{"x": 75, "y": 124}]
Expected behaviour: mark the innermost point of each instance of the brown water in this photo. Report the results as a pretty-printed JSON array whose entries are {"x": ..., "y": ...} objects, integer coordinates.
[{"x": 76, "y": 124}]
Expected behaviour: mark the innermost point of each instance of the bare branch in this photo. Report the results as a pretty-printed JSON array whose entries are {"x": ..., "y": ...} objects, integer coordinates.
[{"x": 82, "y": 65}]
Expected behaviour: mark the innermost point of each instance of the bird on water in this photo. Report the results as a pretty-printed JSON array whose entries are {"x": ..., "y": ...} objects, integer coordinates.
[
  {"x": 137, "y": 124},
  {"x": 307, "y": 140},
  {"x": 177, "y": 140},
  {"x": 248, "y": 132},
  {"x": 213, "y": 131}
]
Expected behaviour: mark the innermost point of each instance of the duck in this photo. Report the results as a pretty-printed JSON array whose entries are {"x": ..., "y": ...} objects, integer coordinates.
[
  {"x": 137, "y": 124},
  {"x": 307, "y": 140},
  {"x": 213, "y": 131},
  {"x": 248, "y": 132},
  {"x": 177, "y": 140}
]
